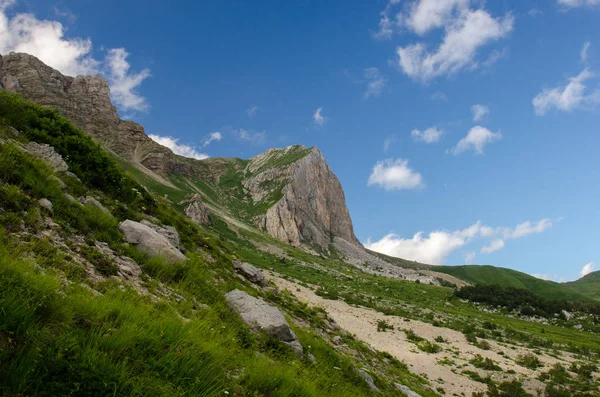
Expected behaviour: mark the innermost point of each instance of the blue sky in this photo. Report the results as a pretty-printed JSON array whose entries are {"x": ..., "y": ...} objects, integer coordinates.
[{"x": 462, "y": 131}]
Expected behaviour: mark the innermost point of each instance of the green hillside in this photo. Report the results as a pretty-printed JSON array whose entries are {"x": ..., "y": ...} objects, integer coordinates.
[
  {"x": 476, "y": 274},
  {"x": 588, "y": 285}
]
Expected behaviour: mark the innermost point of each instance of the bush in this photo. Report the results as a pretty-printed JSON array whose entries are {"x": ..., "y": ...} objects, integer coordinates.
[
  {"x": 429, "y": 347},
  {"x": 528, "y": 360},
  {"x": 485, "y": 363},
  {"x": 412, "y": 336},
  {"x": 383, "y": 326},
  {"x": 484, "y": 345}
]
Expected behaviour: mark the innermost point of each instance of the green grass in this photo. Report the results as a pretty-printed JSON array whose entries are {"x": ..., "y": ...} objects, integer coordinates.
[{"x": 588, "y": 285}]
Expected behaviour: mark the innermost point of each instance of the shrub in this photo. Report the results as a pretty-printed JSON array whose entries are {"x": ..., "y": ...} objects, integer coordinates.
[
  {"x": 412, "y": 336},
  {"x": 429, "y": 347},
  {"x": 528, "y": 360},
  {"x": 383, "y": 326},
  {"x": 484, "y": 345},
  {"x": 440, "y": 339},
  {"x": 485, "y": 363}
]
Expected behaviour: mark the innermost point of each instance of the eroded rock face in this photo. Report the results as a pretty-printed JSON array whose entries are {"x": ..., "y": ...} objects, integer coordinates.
[
  {"x": 48, "y": 155},
  {"x": 169, "y": 232},
  {"x": 150, "y": 241},
  {"x": 313, "y": 207},
  {"x": 261, "y": 316},
  {"x": 196, "y": 210},
  {"x": 249, "y": 272}
]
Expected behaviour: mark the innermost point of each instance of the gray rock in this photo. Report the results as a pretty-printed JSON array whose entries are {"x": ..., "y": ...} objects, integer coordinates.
[
  {"x": 406, "y": 390},
  {"x": 368, "y": 380},
  {"x": 261, "y": 316},
  {"x": 72, "y": 199},
  {"x": 311, "y": 358},
  {"x": 337, "y": 339},
  {"x": 169, "y": 232},
  {"x": 91, "y": 201},
  {"x": 331, "y": 324},
  {"x": 249, "y": 272},
  {"x": 15, "y": 133},
  {"x": 150, "y": 241},
  {"x": 196, "y": 210},
  {"x": 72, "y": 175},
  {"x": 45, "y": 204},
  {"x": 48, "y": 155}
]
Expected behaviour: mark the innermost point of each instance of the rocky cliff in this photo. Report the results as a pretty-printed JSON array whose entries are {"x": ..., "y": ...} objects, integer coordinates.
[{"x": 294, "y": 194}]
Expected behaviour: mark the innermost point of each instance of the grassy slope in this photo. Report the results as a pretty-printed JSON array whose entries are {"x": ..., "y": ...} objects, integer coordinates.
[
  {"x": 58, "y": 337},
  {"x": 475, "y": 274},
  {"x": 589, "y": 285}
]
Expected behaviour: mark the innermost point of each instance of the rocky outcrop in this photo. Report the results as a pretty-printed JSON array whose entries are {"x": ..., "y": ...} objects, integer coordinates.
[
  {"x": 48, "y": 155},
  {"x": 85, "y": 100},
  {"x": 249, "y": 272},
  {"x": 169, "y": 232},
  {"x": 196, "y": 210},
  {"x": 93, "y": 202},
  {"x": 149, "y": 241},
  {"x": 260, "y": 316},
  {"x": 312, "y": 208}
]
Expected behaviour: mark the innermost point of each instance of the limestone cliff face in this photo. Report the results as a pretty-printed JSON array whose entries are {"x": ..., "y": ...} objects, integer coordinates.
[
  {"x": 85, "y": 100},
  {"x": 313, "y": 207}
]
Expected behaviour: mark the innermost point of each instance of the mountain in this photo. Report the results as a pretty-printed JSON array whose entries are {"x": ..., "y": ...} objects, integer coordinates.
[
  {"x": 129, "y": 270},
  {"x": 588, "y": 285}
]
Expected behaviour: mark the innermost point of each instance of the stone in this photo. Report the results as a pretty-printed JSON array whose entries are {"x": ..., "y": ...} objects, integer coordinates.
[
  {"x": 249, "y": 272},
  {"x": 331, "y": 324},
  {"x": 72, "y": 175},
  {"x": 260, "y": 316},
  {"x": 337, "y": 339},
  {"x": 311, "y": 358},
  {"x": 150, "y": 241},
  {"x": 45, "y": 204},
  {"x": 15, "y": 133},
  {"x": 48, "y": 155},
  {"x": 406, "y": 390},
  {"x": 72, "y": 199},
  {"x": 196, "y": 210},
  {"x": 93, "y": 202},
  {"x": 57, "y": 180},
  {"x": 368, "y": 380},
  {"x": 169, "y": 232}
]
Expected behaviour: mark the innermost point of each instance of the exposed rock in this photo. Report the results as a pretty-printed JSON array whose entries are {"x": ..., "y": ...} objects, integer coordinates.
[
  {"x": 15, "y": 133},
  {"x": 406, "y": 390},
  {"x": 45, "y": 204},
  {"x": 127, "y": 267},
  {"x": 167, "y": 231},
  {"x": 48, "y": 154},
  {"x": 196, "y": 210},
  {"x": 150, "y": 241},
  {"x": 312, "y": 208},
  {"x": 311, "y": 358},
  {"x": 89, "y": 200},
  {"x": 337, "y": 339},
  {"x": 261, "y": 316},
  {"x": 331, "y": 324},
  {"x": 71, "y": 199},
  {"x": 249, "y": 272},
  {"x": 72, "y": 175},
  {"x": 368, "y": 380}
]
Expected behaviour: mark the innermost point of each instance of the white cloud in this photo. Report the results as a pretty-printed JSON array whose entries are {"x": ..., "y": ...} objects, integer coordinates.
[
  {"x": 253, "y": 137},
  {"x": 479, "y": 112},
  {"x": 123, "y": 84},
  {"x": 587, "y": 269},
  {"x": 436, "y": 246},
  {"x": 476, "y": 139},
  {"x": 251, "y": 111},
  {"x": 578, "y": 3},
  {"x": 430, "y": 135},
  {"x": 550, "y": 277},
  {"x": 439, "y": 96},
  {"x": 178, "y": 148},
  {"x": 432, "y": 248},
  {"x": 214, "y": 136},
  {"x": 534, "y": 12},
  {"x": 387, "y": 142},
  {"x": 46, "y": 40},
  {"x": 494, "y": 245},
  {"x": 375, "y": 83},
  {"x": 386, "y": 25},
  {"x": 466, "y": 31},
  {"x": 395, "y": 175},
  {"x": 569, "y": 97},
  {"x": 583, "y": 55},
  {"x": 318, "y": 118}
]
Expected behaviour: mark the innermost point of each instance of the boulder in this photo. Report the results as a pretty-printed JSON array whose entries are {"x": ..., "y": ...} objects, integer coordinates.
[
  {"x": 45, "y": 204},
  {"x": 169, "y": 232},
  {"x": 150, "y": 241},
  {"x": 260, "y": 316},
  {"x": 48, "y": 155},
  {"x": 368, "y": 380},
  {"x": 89, "y": 200},
  {"x": 249, "y": 272},
  {"x": 406, "y": 390},
  {"x": 196, "y": 210}
]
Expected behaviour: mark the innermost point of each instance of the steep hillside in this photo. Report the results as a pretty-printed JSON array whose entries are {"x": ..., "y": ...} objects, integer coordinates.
[{"x": 588, "y": 285}]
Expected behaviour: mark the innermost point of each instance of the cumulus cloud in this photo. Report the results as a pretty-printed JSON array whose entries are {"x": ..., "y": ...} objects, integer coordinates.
[
  {"x": 479, "y": 112},
  {"x": 214, "y": 136},
  {"x": 387, "y": 143},
  {"x": 318, "y": 118},
  {"x": 466, "y": 31},
  {"x": 578, "y": 3},
  {"x": 375, "y": 83},
  {"x": 46, "y": 40},
  {"x": 251, "y": 111},
  {"x": 583, "y": 54},
  {"x": 178, "y": 148},
  {"x": 430, "y": 135},
  {"x": 568, "y": 97},
  {"x": 436, "y": 246},
  {"x": 253, "y": 137},
  {"x": 393, "y": 174},
  {"x": 587, "y": 269},
  {"x": 386, "y": 24},
  {"x": 477, "y": 138}
]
